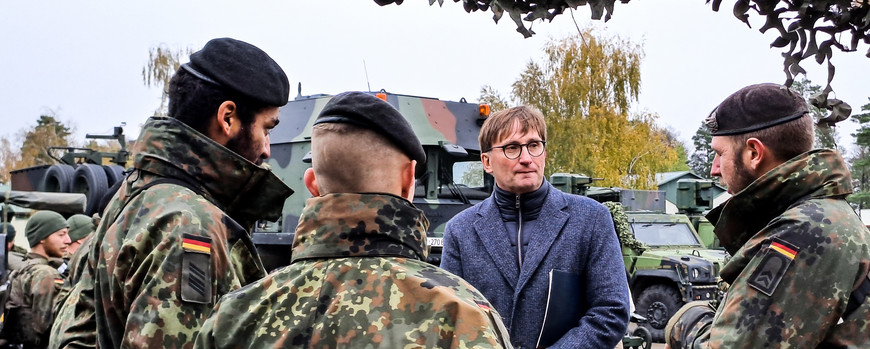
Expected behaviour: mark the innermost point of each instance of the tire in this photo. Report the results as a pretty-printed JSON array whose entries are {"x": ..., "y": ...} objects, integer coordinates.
[
  {"x": 658, "y": 303},
  {"x": 58, "y": 179},
  {"x": 114, "y": 173},
  {"x": 90, "y": 180},
  {"x": 643, "y": 333}
]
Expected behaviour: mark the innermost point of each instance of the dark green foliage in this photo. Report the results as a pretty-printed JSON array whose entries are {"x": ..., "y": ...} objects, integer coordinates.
[{"x": 701, "y": 160}]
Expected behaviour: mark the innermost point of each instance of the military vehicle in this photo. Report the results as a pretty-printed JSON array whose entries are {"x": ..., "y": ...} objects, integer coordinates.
[
  {"x": 694, "y": 197},
  {"x": 666, "y": 262},
  {"x": 78, "y": 170}
]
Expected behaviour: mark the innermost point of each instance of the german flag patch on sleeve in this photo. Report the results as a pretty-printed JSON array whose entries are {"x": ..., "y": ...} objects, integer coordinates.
[
  {"x": 776, "y": 259},
  {"x": 196, "y": 276},
  {"x": 193, "y": 243}
]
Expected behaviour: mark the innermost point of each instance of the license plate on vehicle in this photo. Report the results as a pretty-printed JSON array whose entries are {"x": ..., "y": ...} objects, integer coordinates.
[{"x": 435, "y": 242}]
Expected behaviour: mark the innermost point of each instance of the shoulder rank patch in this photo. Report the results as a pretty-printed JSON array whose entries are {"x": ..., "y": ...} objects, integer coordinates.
[
  {"x": 196, "y": 278},
  {"x": 778, "y": 256}
]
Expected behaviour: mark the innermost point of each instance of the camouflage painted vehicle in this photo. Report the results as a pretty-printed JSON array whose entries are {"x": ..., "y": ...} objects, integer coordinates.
[
  {"x": 450, "y": 181},
  {"x": 666, "y": 262}
]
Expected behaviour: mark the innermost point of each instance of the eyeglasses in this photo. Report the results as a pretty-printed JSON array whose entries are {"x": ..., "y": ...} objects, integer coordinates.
[{"x": 513, "y": 151}]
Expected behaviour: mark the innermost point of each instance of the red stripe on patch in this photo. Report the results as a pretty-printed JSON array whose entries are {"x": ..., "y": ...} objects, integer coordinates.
[
  {"x": 198, "y": 243},
  {"x": 774, "y": 243}
]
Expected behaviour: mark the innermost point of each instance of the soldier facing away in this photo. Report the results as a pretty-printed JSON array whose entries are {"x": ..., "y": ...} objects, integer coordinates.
[
  {"x": 799, "y": 271},
  {"x": 176, "y": 235},
  {"x": 14, "y": 253},
  {"x": 357, "y": 277},
  {"x": 32, "y": 291}
]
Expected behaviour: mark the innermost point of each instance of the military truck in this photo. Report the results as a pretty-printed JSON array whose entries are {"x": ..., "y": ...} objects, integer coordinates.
[
  {"x": 78, "y": 170},
  {"x": 666, "y": 262},
  {"x": 450, "y": 181}
]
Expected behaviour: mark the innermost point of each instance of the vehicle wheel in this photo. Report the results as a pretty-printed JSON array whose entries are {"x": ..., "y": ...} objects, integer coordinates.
[
  {"x": 90, "y": 180},
  {"x": 644, "y": 334},
  {"x": 114, "y": 173},
  {"x": 658, "y": 303},
  {"x": 58, "y": 179}
]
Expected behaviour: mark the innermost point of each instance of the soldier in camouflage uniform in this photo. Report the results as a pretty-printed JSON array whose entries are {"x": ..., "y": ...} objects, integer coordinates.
[
  {"x": 176, "y": 236},
  {"x": 358, "y": 276},
  {"x": 799, "y": 271},
  {"x": 14, "y": 253},
  {"x": 32, "y": 291}
]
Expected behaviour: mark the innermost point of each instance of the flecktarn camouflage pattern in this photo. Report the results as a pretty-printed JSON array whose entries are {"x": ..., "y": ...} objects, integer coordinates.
[
  {"x": 31, "y": 301},
  {"x": 175, "y": 247},
  {"x": 799, "y": 253},
  {"x": 357, "y": 280}
]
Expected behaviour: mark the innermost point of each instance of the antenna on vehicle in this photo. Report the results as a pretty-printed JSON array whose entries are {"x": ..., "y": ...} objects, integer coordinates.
[
  {"x": 367, "y": 76},
  {"x": 299, "y": 90}
]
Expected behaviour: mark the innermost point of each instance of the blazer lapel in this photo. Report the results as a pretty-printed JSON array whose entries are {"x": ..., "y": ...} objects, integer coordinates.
[
  {"x": 552, "y": 220},
  {"x": 490, "y": 228}
]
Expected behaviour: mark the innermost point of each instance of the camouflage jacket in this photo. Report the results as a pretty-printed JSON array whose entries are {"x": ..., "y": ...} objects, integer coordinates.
[
  {"x": 357, "y": 279},
  {"x": 77, "y": 263},
  {"x": 799, "y": 251},
  {"x": 174, "y": 240},
  {"x": 32, "y": 292}
]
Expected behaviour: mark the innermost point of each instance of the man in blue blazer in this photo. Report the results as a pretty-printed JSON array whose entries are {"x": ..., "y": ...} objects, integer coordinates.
[{"x": 507, "y": 245}]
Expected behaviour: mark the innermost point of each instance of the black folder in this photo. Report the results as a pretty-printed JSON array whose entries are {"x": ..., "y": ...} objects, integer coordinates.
[{"x": 563, "y": 307}]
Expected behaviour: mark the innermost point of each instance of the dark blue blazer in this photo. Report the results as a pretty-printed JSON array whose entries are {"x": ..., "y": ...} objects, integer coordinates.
[{"x": 575, "y": 234}]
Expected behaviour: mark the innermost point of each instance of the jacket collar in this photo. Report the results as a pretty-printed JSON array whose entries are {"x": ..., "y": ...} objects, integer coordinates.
[
  {"x": 243, "y": 189},
  {"x": 491, "y": 229},
  {"x": 815, "y": 174},
  {"x": 357, "y": 225}
]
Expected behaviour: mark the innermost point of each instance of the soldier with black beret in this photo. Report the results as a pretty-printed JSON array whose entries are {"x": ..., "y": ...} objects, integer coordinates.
[
  {"x": 359, "y": 241},
  {"x": 32, "y": 289},
  {"x": 799, "y": 272},
  {"x": 181, "y": 222}
]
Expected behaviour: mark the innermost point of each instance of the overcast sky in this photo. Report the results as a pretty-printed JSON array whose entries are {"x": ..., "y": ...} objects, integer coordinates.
[{"x": 83, "y": 59}]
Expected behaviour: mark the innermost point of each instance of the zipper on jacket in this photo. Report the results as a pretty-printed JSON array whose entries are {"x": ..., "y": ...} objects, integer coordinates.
[{"x": 519, "y": 233}]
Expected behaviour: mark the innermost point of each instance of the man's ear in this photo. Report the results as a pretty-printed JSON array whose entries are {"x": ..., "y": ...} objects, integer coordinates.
[
  {"x": 485, "y": 160},
  {"x": 756, "y": 156},
  {"x": 409, "y": 183},
  {"x": 225, "y": 123},
  {"x": 311, "y": 182}
]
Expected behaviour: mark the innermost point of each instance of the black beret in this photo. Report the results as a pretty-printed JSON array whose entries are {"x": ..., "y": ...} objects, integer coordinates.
[
  {"x": 364, "y": 110},
  {"x": 241, "y": 67},
  {"x": 754, "y": 108}
]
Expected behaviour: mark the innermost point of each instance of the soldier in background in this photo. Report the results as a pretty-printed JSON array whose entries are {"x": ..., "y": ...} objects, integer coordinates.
[
  {"x": 799, "y": 271},
  {"x": 80, "y": 227},
  {"x": 176, "y": 235},
  {"x": 30, "y": 307},
  {"x": 358, "y": 276},
  {"x": 14, "y": 253}
]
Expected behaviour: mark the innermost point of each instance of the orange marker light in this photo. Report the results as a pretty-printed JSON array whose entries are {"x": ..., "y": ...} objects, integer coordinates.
[
  {"x": 382, "y": 96},
  {"x": 484, "y": 110}
]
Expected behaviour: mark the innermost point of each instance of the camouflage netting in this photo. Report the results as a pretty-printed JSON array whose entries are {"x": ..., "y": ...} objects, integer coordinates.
[{"x": 623, "y": 230}]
